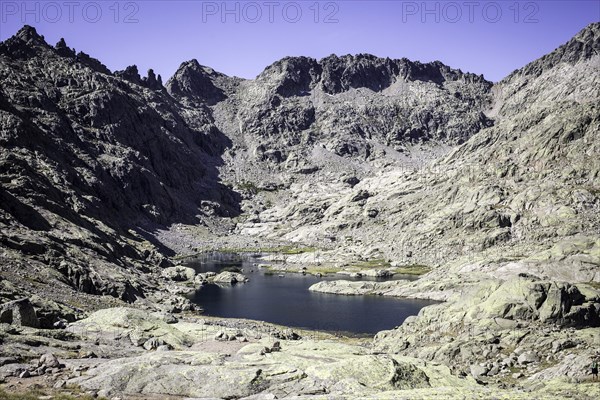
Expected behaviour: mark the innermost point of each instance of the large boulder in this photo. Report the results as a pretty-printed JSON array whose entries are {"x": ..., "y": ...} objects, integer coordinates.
[
  {"x": 354, "y": 288},
  {"x": 179, "y": 273},
  {"x": 48, "y": 360},
  {"x": 492, "y": 315},
  {"x": 550, "y": 302},
  {"x": 478, "y": 370},
  {"x": 191, "y": 374},
  {"x": 19, "y": 312},
  {"x": 230, "y": 277},
  {"x": 138, "y": 325},
  {"x": 375, "y": 371},
  {"x": 528, "y": 357}
]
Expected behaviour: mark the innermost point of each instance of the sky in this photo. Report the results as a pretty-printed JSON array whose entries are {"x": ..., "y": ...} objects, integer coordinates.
[{"x": 241, "y": 38}]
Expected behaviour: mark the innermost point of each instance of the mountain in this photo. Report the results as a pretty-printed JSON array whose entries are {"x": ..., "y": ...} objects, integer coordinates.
[
  {"x": 363, "y": 157},
  {"x": 91, "y": 162},
  {"x": 514, "y": 189},
  {"x": 523, "y": 197},
  {"x": 354, "y": 164},
  {"x": 355, "y": 107}
]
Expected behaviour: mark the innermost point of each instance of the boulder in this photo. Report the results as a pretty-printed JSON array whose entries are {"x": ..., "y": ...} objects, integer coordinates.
[
  {"x": 354, "y": 288},
  {"x": 351, "y": 181},
  {"x": 19, "y": 312},
  {"x": 560, "y": 297},
  {"x": 360, "y": 195},
  {"x": 377, "y": 273},
  {"x": 49, "y": 360},
  {"x": 562, "y": 344},
  {"x": 179, "y": 273},
  {"x": 230, "y": 278},
  {"x": 136, "y": 324},
  {"x": 531, "y": 299},
  {"x": 494, "y": 370},
  {"x": 478, "y": 370},
  {"x": 378, "y": 371},
  {"x": 172, "y": 374},
  {"x": 528, "y": 357},
  {"x": 508, "y": 362},
  {"x": 137, "y": 337},
  {"x": 204, "y": 278},
  {"x": 153, "y": 343},
  {"x": 171, "y": 303}
]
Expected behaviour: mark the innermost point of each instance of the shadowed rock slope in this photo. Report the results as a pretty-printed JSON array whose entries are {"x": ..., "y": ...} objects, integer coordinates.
[{"x": 89, "y": 164}]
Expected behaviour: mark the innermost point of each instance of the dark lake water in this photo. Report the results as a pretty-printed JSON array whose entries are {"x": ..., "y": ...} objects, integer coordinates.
[{"x": 287, "y": 300}]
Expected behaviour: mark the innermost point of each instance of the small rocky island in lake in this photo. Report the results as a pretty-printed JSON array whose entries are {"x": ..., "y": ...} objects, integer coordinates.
[{"x": 353, "y": 181}]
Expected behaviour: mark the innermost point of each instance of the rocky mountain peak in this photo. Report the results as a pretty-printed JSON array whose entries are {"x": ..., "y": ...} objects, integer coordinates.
[
  {"x": 354, "y": 71},
  {"x": 24, "y": 43},
  {"x": 153, "y": 81},
  {"x": 336, "y": 74},
  {"x": 293, "y": 75},
  {"x": 130, "y": 74},
  {"x": 63, "y": 50},
  {"x": 29, "y": 35},
  {"x": 590, "y": 33},
  {"x": 582, "y": 46},
  {"x": 196, "y": 81}
]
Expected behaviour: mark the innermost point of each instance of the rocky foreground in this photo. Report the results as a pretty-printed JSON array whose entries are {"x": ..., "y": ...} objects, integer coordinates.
[{"x": 129, "y": 353}]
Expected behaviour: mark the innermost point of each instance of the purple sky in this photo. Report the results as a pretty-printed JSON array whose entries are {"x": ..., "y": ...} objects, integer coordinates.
[{"x": 162, "y": 34}]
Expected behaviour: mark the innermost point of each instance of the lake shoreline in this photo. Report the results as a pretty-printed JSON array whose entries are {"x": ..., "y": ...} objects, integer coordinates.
[{"x": 245, "y": 287}]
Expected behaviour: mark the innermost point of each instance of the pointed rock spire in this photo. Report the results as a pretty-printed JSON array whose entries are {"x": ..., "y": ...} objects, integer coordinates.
[
  {"x": 63, "y": 50},
  {"x": 130, "y": 74},
  {"x": 151, "y": 81},
  {"x": 28, "y": 34}
]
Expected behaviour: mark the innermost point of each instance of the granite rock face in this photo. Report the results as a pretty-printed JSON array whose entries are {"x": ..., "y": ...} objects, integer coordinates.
[
  {"x": 90, "y": 162},
  {"x": 521, "y": 192},
  {"x": 230, "y": 278},
  {"x": 19, "y": 312},
  {"x": 297, "y": 368},
  {"x": 502, "y": 324}
]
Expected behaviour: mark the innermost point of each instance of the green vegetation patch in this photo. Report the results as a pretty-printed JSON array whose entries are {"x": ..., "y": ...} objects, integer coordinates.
[
  {"x": 248, "y": 187},
  {"x": 595, "y": 285},
  {"x": 35, "y": 394},
  {"x": 280, "y": 250},
  {"x": 374, "y": 263},
  {"x": 413, "y": 269}
]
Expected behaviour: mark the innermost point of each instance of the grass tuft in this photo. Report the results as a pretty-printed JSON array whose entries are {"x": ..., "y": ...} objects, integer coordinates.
[
  {"x": 412, "y": 269},
  {"x": 35, "y": 394}
]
